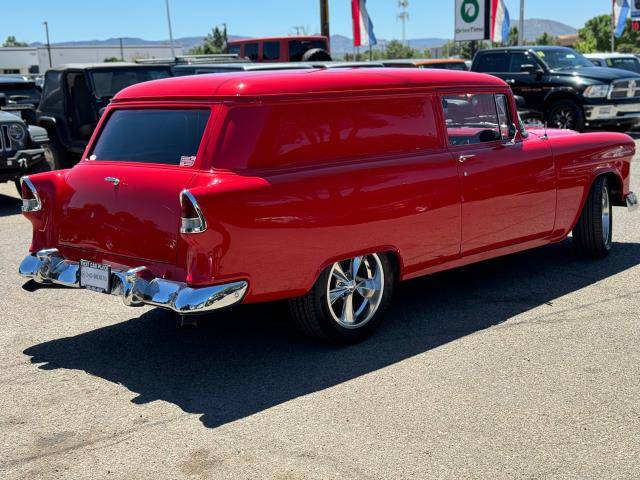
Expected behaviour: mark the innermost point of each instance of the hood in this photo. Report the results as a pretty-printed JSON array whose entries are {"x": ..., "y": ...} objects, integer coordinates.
[
  {"x": 10, "y": 117},
  {"x": 551, "y": 132},
  {"x": 603, "y": 74}
]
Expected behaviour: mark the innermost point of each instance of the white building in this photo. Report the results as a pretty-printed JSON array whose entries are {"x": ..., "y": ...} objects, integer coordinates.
[{"x": 24, "y": 60}]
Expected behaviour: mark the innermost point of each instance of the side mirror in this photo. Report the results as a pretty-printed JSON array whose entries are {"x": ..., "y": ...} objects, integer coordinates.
[
  {"x": 3, "y": 100},
  {"x": 513, "y": 130},
  {"x": 520, "y": 101},
  {"x": 531, "y": 69}
]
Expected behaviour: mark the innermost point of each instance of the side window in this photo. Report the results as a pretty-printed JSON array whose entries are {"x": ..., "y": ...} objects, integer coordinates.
[
  {"x": 492, "y": 62},
  {"x": 251, "y": 51},
  {"x": 471, "y": 118},
  {"x": 518, "y": 59},
  {"x": 503, "y": 115},
  {"x": 271, "y": 51},
  {"x": 234, "y": 49},
  {"x": 52, "y": 94}
]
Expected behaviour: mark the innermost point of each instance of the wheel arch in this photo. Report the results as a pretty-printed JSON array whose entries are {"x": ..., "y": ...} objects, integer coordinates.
[
  {"x": 615, "y": 185},
  {"x": 559, "y": 95}
]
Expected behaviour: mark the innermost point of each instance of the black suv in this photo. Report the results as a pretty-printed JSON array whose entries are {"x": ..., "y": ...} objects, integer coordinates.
[
  {"x": 74, "y": 96},
  {"x": 565, "y": 88}
]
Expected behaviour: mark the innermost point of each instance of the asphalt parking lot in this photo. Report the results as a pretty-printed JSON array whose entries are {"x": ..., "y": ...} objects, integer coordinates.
[{"x": 522, "y": 367}]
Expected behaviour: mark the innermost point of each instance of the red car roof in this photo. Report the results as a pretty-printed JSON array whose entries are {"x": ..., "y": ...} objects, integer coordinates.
[{"x": 250, "y": 84}]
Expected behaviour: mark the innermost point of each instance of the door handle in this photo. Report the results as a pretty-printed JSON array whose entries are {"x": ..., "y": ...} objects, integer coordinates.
[
  {"x": 464, "y": 158},
  {"x": 114, "y": 180}
]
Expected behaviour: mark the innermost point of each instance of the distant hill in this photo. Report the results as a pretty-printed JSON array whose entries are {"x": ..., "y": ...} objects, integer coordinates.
[{"x": 340, "y": 44}]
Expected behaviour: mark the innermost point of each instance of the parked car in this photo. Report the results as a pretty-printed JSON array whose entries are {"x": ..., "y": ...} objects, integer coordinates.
[
  {"x": 565, "y": 87},
  {"x": 438, "y": 63},
  {"x": 623, "y": 61},
  {"x": 24, "y": 148},
  {"x": 74, "y": 96},
  {"x": 321, "y": 187},
  {"x": 22, "y": 96},
  {"x": 309, "y": 48}
]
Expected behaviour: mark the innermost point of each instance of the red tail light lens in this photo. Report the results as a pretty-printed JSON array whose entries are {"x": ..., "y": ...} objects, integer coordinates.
[
  {"x": 30, "y": 199},
  {"x": 192, "y": 218}
]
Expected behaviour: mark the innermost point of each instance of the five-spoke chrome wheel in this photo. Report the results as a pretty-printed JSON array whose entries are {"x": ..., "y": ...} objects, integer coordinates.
[{"x": 354, "y": 290}]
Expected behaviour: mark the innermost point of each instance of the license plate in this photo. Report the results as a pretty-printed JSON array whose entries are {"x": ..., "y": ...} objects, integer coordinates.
[{"x": 95, "y": 276}]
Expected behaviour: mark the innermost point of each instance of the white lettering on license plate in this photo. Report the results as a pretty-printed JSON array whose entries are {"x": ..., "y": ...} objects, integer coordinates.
[{"x": 95, "y": 276}]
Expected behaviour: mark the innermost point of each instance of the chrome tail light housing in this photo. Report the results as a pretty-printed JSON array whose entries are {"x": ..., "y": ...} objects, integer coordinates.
[
  {"x": 30, "y": 198},
  {"x": 192, "y": 219}
]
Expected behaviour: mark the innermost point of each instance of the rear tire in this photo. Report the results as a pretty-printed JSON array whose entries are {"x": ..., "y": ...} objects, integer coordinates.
[
  {"x": 348, "y": 301},
  {"x": 592, "y": 235}
]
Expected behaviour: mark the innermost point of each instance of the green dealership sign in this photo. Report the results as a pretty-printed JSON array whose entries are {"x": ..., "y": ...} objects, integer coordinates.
[
  {"x": 472, "y": 19},
  {"x": 470, "y": 11}
]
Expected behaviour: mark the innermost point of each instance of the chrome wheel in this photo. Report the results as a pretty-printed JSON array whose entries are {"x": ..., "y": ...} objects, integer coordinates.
[
  {"x": 606, "y": 216},
  {"x": 354, "y": 290},
  {"x": 563, "y": 118}
]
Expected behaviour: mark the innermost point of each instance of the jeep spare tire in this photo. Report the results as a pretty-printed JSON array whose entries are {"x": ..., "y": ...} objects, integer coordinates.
[{"x": 316, "y": 55}]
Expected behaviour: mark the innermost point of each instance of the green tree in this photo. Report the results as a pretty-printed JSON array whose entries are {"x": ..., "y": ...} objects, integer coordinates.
[
  {"x": 396, "y": 49},
  {"x": 111, "y": 59},
  {"x": 513, "y": 36},
  {"x": 596, "y": 37},
  {"x": 546, "y": 39},
  {"x": 12, "y": 42},
  {"x": 214, "y": 42}
]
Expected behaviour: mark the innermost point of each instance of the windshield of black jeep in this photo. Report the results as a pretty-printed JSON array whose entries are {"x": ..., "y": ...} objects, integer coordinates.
[
  {"x": 563, "y": 59},
  {"x": 106, "y": 83},
  {"x": 20, "y": 92},
  {"x": 170, "y": 137}
]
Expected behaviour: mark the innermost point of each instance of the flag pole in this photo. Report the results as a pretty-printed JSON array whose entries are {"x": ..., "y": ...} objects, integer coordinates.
[{"x": 613, "y": 26}]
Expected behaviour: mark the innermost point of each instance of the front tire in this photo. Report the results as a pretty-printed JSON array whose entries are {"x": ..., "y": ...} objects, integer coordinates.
[
  {"x": 566, "y": 114},
  {"x": 348, "y": 301},
  {"x": 592, "y": 235}
]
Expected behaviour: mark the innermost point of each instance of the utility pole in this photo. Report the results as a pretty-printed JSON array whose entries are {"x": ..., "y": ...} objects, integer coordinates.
[
  {"x": 324, "y": 19},
  {"x": 121, "y": 50},
  {"x": 521, "y": 24},
  {"x": 613, "y": 27},
  {"x": 173, "y": 52},
  {"x": 403, "y": 16},
  {"x": 46, "y": 29}
]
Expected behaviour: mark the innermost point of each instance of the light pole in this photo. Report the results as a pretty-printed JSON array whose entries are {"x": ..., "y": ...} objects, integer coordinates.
[
  {"x": 46, "y": 29},
  {"x": 173, "y": 52},
  {"x": 521, "y": 24},
  {"x": 324, "y": 18}
]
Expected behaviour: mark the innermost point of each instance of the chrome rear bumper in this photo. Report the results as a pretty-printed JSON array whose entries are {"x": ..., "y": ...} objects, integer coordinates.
[
  {"x": 136, "y": 286},
  {"x": 632, "y": 202}
]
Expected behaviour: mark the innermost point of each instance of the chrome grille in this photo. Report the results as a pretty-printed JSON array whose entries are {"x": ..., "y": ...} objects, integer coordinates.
[{"x": 627, "y": 88}]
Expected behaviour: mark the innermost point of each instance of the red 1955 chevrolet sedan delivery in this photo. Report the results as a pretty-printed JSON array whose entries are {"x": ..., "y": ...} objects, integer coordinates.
[{"x": 324, "y": 187}]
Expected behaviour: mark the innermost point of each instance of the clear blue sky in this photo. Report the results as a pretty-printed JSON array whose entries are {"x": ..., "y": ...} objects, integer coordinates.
[{"x": 88, "y": 19}]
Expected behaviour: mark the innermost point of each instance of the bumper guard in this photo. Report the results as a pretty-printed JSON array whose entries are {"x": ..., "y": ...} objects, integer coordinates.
[{"x": 136, "y": 286}]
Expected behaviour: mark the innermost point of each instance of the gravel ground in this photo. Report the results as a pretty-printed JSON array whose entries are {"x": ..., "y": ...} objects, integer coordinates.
[{"x": 521, "y": 367}]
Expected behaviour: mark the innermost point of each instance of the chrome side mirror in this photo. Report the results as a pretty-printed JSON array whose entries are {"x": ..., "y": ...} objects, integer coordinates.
[{"x": 513, "y": 131}]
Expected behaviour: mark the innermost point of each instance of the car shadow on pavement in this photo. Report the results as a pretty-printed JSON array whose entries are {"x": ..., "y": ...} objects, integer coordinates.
[
  {"x": 9, "y": 205},
  {"x": 248, "y": 359}
]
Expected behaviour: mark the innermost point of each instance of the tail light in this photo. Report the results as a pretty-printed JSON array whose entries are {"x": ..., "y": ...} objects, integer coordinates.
[
  {"x": 30, "y": 199},
  {"x": 192, "y": 219}
]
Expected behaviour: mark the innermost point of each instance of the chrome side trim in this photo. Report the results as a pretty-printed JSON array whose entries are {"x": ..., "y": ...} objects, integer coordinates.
[
  {"x": 632, "y": 202},
  {"x": 136, "y": 286},
  {"x": 34, "y": 204}
]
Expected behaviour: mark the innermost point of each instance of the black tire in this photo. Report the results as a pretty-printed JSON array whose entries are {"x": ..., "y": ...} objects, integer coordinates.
[
  {"x": 316, "y": 55},
  {"x": 592, "y": 235},
  {"x": 312, "y": 313},
  {"x": 51, "y": 162},
  {"x": 566, "y": 114}
]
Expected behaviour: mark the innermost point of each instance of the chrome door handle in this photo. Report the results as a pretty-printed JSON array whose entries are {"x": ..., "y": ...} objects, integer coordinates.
[
  {"x": 114, "y": 180},
  {"x": 464, "y": 158}
]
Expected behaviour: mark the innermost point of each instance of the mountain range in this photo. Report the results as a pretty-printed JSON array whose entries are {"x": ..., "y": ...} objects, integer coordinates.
[{"x": 340, "y": 44}]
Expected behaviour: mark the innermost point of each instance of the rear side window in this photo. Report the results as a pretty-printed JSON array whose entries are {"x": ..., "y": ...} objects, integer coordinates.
[
  {"x": 170, "y": 137},
  {"x": 471, "y": 118},
  {"x": 271, "y": 51},
  {"x": 320, "y": 133},
  {"x": 52, "y": 93},
  {"x": 234, "y": 49},
  {"x": 251, "y": 51},
  {"x": 106, "y": 83},
  {"x": 492, "y": 62}
]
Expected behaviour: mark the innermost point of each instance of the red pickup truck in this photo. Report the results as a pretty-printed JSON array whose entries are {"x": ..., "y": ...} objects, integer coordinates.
[{"x": 324, "y": 187}]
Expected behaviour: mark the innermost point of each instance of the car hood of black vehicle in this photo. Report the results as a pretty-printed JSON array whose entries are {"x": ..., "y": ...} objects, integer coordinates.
[
  {"x": 9, "y": 117},
  {"x": 603, "y": 74}
]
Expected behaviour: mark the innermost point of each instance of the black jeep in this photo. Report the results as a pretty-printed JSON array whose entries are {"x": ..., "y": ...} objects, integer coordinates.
[
  {"x": 564, "y": 87},
  {"x": 74, "y": 96}
]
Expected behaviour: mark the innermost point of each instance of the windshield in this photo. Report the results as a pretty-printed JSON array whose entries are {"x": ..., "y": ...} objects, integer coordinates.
[
  {"x": 563, "y": 59},
  {"x": 106, "y": 83},
  {"x": 631, "y": 64},
  {"x": 16, "y": 92},
  {"x": 170, "y": 137}
]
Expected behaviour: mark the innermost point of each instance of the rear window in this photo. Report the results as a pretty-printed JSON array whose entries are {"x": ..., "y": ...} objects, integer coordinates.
[
  {"x": 106, "y": 83},
  {"x": 170, "y": 137}
]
